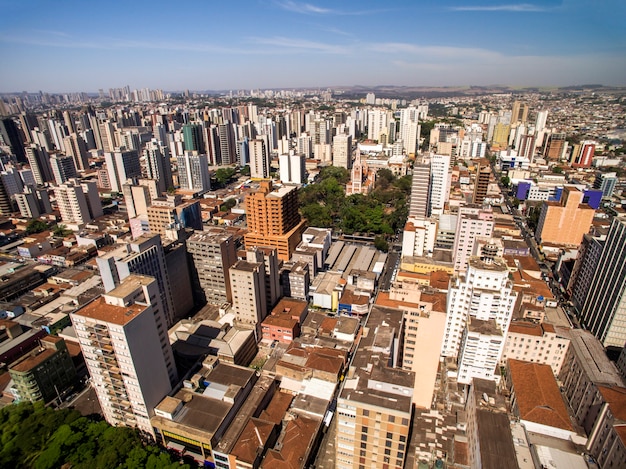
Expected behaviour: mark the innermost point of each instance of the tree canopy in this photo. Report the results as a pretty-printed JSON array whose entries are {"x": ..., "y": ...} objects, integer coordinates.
[
  {"x": 224, "y": 175},
  {"x": 382, "y": 212},
  {"x": 39, "y": 437},
  {"x": 36, "y": 226}
]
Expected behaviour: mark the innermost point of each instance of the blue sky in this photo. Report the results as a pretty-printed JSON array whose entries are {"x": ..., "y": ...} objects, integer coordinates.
[{"x": 62, "y": 45}]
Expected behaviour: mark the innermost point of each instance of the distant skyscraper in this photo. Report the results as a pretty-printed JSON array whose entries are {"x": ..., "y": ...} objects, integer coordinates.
[
  {"x": 127, "y": 352},
  {"x": 605, "y": 182},
  {"x": 76, "y": 147},
  {"x": 227, "y": 144},
  {"x": 292, "y": 168}
]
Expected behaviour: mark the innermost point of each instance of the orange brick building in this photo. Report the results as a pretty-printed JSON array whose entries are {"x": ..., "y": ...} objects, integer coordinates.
[
  {"x": 273, "y": 219},
  {"x": 565, "y": 222}
]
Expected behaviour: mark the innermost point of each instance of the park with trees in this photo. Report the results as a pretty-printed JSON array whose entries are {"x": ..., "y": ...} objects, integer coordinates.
[
  {"x": 380, "y": 213},
  {"x": 39, "y": 437}
]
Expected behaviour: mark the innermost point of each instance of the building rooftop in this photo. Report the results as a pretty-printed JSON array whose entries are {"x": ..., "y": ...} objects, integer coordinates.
[
  {"x": 592, "y": 358},
  {"x": 537, "y": 394},
  {"x": 496, "y": 445},
  {"x": 246, "y": 266},
  {"x": 372, "y": 380},
  {"x": 484, "y": 327},
  {"x": 100, "y": 310},
  {"x": 291, "y": 306}
]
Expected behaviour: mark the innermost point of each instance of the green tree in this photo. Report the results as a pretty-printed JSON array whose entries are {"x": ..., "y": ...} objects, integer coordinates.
[
  {"x": 245, "y": 171},
  {"x": 505, "y": 181},
  {"x": 224, "y": 175},
  {"x": 228, "y": 204},
  {"x": 36, "y": 226},
  {"x": 381, "y": 244},
  {"x": 60, "y": 231}
]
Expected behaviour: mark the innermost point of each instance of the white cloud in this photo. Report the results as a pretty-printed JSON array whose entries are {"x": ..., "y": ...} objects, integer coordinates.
[
  {"x": 305, "y": 8},
  {"x": 293, "y": 44},
  {"x": 514, "y": 7}
]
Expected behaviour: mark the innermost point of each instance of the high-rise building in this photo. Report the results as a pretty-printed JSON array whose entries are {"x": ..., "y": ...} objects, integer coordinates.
[
  {"x": 410, "y": 129},
  {"x": 582, "y": 155},
  {"x": 542, "y": 120},
  {"x": 78, "y": 202},
  {"x": 33, "y": 202},
  {"x": 193, "y": 172},
  {"x": 157, "y": 166},
  {"x": 519, "y": 113},
  {"x": 420, "y": 191},
  {"x": 605, "y": 182},
  {"x": 375, "y": 405},
  {"x": 45, "y": 373},
  {"x": 486, "y": 294},
  {"x": 481, "y": 183},
  {"x": 123, "y": 337},
  {"x": 472, "y": 222},
  {"x": 272, "y": 273},
  {"x": 342, "y": 151},
  {"x": 566, "y": 221},
  {"x": 247, "y": 285},
  {"x": 11, "y": 135},
  {"x": 76, "y": 147},
  {"x": 39, "y": 162},
  {"x": 171, "y": 212},
  {"x": 226, "y": 144},
  {"x": 556, "y": 147},
  {"x": 376, "y": 123},
  {"x": 121, "y": 165},
  {"x": 273, "y": 219},
  {"x": 439, "y": 183},
  {"x": 603, "y": 311},
  {"x": 63, "y": 168},
  {"x": 137, "y": 199},
  {"x": 292, "y": 168},
  {"x": 192, "y": 137},
  {"x": 145, "y": 256},
  {"x": 212, "y": 254},
  {"x": 259, "y": 159}
]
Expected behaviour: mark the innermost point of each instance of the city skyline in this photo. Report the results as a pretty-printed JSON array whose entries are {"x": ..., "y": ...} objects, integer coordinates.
[{"x": 287, "y": 44}]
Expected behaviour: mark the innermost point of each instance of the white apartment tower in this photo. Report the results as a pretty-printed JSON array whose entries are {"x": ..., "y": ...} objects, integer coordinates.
[
  {"x": 259, "y": 159},
  {"x": 376, "y": 123},
  {"x": 484, "y": 293},
  {"x": 78, "y": 202},
  {"x": 439, "y": 183},
  {"x": 472, "y": 222},
  {"x": 342, "y": 151},
  {"x": 123, "y": 337},
  {"x": 247, "y": 284},
  {"x": 146, "y": 256},
  {"x": 193, "y": 172}
]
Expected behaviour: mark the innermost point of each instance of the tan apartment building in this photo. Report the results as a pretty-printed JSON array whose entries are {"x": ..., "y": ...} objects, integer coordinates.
[{"x": 273, "y": 219}]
